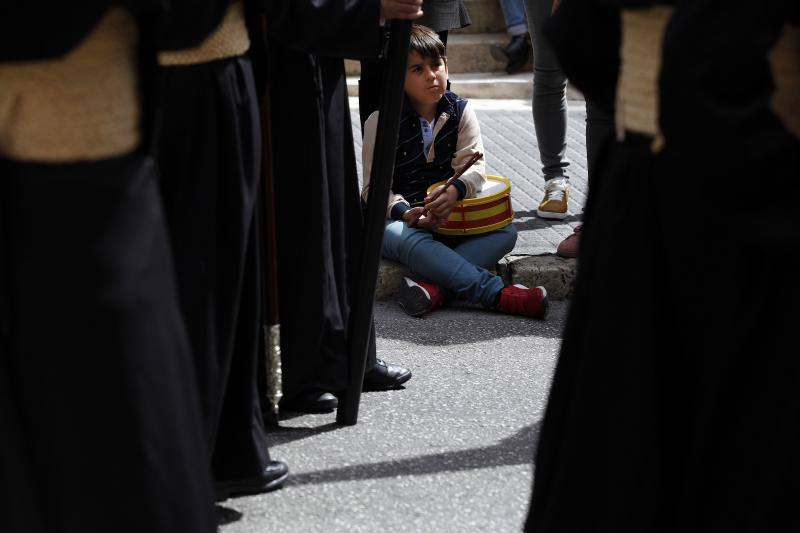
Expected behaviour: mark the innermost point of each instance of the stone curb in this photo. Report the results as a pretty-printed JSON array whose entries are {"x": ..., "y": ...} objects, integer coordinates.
[{"x": 556, "y": 274}]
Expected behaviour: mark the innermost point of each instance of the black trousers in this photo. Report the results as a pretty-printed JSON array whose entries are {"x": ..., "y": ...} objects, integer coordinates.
[
  {"x": 210, "y": 159},
  {"x": 99, "y": 414}
]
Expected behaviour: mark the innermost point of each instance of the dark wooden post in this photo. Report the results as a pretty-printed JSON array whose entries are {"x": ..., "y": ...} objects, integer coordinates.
[{"x": 380, "y": 184}]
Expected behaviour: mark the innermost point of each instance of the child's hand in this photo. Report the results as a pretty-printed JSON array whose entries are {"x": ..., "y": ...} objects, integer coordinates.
[
  {"x": 417, "y": 218},
  {"x": 442, "y": 206}
]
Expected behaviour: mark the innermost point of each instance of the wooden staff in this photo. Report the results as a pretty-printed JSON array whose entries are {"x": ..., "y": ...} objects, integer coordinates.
[
  {"x": 271, "y": 328},
  {"x": 380, "y": 183}
]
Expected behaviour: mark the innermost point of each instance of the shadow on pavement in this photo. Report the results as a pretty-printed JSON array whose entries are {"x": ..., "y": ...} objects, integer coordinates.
[
  {"x": 514, "y": 450},
  {"x": 281, "y": 435},
  {"x": 226, "y": 515},
  {"x": 462, "y": 323},
  {"x": 534, "y": 222}
]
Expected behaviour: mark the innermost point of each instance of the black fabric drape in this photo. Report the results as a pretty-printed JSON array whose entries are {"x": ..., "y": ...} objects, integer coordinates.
[
  {"x": 185, "y": 23},
  {"x": 325, "y": 27},
  {"x": 309, "y": 304},
  {"x": 674, "y": 406},
  {"x": 318, "y": 206},
  {"x": 210, "y": 158},
  {"x": 97, "y": 371}
]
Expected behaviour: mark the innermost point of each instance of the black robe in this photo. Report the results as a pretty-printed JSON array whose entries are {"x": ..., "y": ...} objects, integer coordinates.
[
  {"x": 209, "y": 155},
  {"x": 318, "y": 206},
  {"x": 674, "y": 406},
  {"x": 99, "y": 412}
]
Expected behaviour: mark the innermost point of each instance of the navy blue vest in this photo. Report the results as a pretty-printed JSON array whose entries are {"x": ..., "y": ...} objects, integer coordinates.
[{"x": 412, "y": 173}]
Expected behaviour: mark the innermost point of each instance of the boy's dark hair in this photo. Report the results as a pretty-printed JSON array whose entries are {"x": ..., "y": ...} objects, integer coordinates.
[{"x": 426, "y": 43}]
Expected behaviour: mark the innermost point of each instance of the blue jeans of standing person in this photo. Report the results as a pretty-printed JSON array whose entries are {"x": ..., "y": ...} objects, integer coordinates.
[
  {"x": 458, "y": 264},
  {"x": 514, "y": 15}
]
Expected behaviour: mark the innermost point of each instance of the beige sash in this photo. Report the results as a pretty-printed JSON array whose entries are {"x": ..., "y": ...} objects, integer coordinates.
[
  {"x": 640, "y": 65},
  {"x": 82, "y": 106},
  {"x": 785, "y": 61},
  {"x": 229, "y": 39}
]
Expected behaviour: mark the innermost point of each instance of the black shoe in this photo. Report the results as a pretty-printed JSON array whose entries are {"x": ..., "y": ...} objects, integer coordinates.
[
  {"x": 272, "y": 478},
  {"x": 385, "y": 376},
  {"x": 312, "y": 401}
]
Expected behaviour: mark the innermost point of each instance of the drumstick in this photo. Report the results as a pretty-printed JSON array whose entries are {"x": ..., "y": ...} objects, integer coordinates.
[{"x": 471, "y": 161}]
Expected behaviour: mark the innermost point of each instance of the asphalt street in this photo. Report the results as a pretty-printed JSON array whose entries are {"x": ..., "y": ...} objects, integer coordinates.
[{"x": 452, "y": 452}]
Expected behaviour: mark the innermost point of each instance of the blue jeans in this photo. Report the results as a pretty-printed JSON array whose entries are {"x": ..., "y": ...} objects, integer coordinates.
[
  {"x": 458, "y": 264},
  {"x": 514, "y": 15}
]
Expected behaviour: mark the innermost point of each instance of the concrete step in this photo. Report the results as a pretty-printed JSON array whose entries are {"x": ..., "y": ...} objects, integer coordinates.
[
  {"x": 466, "y": 52},
  {"x": 469, "y": 52},
  {"x": 554, "y": 273},
  {"x": 486, "y": 16},
  {"x": 479, "y": 85},
  {"x": 493, "y": 85},
  {"x": 487, "y": 85}
]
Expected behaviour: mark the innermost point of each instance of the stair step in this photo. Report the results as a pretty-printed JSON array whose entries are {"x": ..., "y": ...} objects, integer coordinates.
[
  {"x": 469, "y": 52},
  {"x": 486, "y": 16},
  {"x": 466, "y": 52},
  {"x": 486, "y": 85},
  {"x": 479, "y": 85}
]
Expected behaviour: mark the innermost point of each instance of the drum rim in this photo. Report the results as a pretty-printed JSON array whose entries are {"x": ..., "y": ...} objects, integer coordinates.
[{"x": 506, "y": 191}]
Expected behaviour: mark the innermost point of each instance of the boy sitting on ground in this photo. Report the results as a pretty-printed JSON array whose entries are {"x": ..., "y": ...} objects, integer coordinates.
[{"x": 439, "y": 132}]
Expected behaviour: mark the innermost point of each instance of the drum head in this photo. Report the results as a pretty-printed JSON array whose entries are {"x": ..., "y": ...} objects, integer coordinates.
[{"x": 491, "y": 187}]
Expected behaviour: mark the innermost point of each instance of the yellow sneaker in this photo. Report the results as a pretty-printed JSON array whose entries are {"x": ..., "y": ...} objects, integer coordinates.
[{"x": 554, "y": 203}]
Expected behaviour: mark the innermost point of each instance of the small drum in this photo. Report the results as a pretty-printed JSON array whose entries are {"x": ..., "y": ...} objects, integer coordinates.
[{"x": 488, "y": 211}]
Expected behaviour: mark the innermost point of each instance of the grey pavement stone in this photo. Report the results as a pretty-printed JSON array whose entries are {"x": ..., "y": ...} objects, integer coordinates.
[
  {"x": 390, "y": 275},
  {"x": 453, "y": 452},
  {"x": 512, "y": 151},
  {"x": 554, "y": 273}
]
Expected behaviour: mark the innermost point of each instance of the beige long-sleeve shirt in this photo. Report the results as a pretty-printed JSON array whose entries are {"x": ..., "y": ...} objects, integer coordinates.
[{"x": 469, "y": 142}]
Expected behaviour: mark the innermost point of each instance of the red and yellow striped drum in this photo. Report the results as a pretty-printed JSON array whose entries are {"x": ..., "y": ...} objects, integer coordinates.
[{"x": 489, "y": 211}]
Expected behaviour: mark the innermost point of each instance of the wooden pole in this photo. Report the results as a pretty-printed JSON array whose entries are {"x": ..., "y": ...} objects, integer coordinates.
[
  {"x": 380, "y": 184},
  {"x": 271, "y": 321}
]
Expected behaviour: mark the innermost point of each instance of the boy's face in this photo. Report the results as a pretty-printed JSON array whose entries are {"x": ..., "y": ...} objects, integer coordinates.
[{"x": 426, "y": 79}]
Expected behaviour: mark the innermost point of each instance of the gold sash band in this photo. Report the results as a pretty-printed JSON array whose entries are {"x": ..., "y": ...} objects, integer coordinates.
[
  {"x": 229, "y": 39},
  {"x": 82, "y": 106},
  {"x": 785, "y": 61},
  {"x": 640, "y": 65}
]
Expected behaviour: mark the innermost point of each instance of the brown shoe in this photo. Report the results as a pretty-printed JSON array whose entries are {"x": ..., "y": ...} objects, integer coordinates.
[
  {"x": 569, "y": 247},
  {"x": 554, "y": 204}
]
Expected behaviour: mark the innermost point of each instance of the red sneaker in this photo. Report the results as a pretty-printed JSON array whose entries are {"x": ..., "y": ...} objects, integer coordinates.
[
  {"x": 520, "y": 300},
  {"x": 419, "y": 297}
]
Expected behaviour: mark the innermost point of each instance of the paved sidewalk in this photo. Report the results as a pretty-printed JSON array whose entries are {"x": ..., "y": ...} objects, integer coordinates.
[
  {"x": 452, "y": 453},
  {"x": 512, "y": 151}
]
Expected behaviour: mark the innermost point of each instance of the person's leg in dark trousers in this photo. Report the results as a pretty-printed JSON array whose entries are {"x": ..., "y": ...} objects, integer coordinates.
[
  {"x": 369, "y": 88},
  {"x": 599, "y": 132},
  {"x": 599, "y": 135}
]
